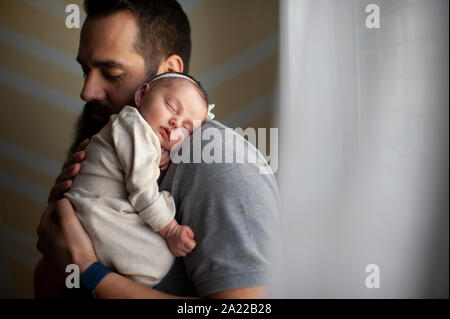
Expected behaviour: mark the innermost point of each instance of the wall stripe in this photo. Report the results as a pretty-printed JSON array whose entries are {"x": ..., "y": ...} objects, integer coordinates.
[
  {"x": 29, "y": 174},
  {"x": 17, "y": 237},
  {"x": 236, "y": 65},
  {"x": 245, "y": 88},
  {"x": 40, "y": 50},
  {"x": 40, "y": 91},
  {"x": 254, "y": 110},
  {"x": 223, "y": 29},
  {"x": 36, "y": 125},
  {"x": 26, "y": 259},
  {"x": 30, "y": 159},
  {"x": 188, "y": 5},
  {"x": 39, "y": 25},
  {"x": 23, "y": 187},
  {"x": 19, "y": 212},
  {"x": 40, "y": 71},
  {"x": 56, "y": 8}
]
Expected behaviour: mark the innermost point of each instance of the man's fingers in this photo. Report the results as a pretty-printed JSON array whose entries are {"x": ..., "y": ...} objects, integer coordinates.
[
  {"x": 164, "y": 154},
  {"x": 77, "y": 157},
  {"x": 58, "y": 190},
  {"x": 69, "y": 172},
  {"x": 82, "y": 145},
  {"x": 165, "y": 159}
]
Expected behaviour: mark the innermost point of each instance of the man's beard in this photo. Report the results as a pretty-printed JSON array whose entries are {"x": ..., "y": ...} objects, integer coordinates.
[{"x": 93, "y": 118}]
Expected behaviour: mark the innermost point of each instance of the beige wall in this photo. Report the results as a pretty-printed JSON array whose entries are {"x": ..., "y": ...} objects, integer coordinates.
[{"x": 235, "y": 55}]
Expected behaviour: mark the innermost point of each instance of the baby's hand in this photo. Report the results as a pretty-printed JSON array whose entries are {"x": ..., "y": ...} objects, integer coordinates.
[{"x": 181, "y": 241}]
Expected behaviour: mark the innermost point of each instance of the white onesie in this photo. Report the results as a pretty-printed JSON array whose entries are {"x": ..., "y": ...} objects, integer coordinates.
[{"x": 117, "y": 198}]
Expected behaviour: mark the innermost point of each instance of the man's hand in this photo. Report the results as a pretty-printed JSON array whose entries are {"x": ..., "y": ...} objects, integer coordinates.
[
  {"x": 62, "y": 237},
  {"x": 70, "y": 169},
  {"x": 165, "y": 159}
]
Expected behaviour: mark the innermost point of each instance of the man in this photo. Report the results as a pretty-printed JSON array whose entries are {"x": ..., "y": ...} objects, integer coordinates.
[{"x": 230, "y": 207}]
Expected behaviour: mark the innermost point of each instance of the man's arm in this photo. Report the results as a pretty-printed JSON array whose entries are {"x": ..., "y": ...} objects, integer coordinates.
[
  {"x": 115, "y": 286},
  {"x": 72, "y": 245}
]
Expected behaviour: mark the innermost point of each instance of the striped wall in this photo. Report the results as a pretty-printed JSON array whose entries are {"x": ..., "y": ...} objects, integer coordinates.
[{"x": 235, "y": 55}]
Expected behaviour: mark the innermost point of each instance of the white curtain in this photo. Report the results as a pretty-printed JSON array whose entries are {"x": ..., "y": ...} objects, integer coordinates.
[{"x": 363, "y": 150}]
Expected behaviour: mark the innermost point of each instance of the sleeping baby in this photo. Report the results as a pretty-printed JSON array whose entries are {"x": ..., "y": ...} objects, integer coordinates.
[{"x": 116, "y": 195}]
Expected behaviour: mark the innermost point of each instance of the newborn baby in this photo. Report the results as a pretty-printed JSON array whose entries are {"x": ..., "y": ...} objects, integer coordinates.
[{"x": 116, "y": 196}]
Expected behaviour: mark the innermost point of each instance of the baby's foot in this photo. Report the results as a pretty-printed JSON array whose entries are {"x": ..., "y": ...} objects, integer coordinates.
[{"x": 181, "y": 241}]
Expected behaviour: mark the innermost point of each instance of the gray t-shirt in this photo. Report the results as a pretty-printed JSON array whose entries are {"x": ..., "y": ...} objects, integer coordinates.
[{"x": 231, "y": 207}]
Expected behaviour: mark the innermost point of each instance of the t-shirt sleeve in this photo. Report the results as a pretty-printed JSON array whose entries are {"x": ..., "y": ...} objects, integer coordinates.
[
  {"x": 138, "y": 150},
  {"x": 232, "y": 209}
]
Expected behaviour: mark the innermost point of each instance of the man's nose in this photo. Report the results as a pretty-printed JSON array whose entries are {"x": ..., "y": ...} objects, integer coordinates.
[{"x": 92, "y": 89}]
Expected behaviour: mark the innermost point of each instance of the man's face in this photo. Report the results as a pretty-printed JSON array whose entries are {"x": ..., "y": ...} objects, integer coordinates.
[{"x": 112, "y": 67}]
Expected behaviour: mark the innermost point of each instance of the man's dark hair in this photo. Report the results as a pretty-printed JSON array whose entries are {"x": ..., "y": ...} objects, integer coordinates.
[{"x": 163, "y": 28}]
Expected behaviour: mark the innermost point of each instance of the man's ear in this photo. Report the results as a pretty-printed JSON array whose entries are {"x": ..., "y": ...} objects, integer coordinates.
[
  {"x": 140, "y": 93},
  {"x": 173, "y": 63}
]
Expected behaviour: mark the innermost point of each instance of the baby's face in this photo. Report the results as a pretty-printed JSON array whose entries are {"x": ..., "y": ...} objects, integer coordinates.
[{"x": 172, "y": 107}]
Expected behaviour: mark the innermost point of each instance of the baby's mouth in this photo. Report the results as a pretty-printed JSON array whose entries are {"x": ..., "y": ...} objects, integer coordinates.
[{"x": 165, "y": 132}]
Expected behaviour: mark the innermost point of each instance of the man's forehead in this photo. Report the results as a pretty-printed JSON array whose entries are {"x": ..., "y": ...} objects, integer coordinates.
[{"x": 108, "y": 38}]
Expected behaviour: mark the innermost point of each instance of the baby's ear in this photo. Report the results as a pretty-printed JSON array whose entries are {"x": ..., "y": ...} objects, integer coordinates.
[{"x": 140, "y": 93}]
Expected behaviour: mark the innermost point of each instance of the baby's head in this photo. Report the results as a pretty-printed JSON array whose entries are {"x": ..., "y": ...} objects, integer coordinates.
[{"x": 172, "y": 101}]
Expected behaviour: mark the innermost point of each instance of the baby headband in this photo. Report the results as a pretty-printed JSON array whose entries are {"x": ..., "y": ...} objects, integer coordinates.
[{"x": 210, "y": 115}]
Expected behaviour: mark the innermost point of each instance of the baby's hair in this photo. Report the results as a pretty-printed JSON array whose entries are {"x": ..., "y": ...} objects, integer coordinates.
[{"x": 195, "y": 81}]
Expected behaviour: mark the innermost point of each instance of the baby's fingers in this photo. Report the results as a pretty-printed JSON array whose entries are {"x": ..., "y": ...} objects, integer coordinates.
[
  {"x": 188, "y": 231},
  {"x": 189, "y": 245}
]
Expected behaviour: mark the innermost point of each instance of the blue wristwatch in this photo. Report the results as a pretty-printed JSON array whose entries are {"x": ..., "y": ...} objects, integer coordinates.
[{"x": 93, "y": 275}]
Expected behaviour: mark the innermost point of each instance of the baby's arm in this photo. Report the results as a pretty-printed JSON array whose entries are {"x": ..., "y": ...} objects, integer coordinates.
[{"x": 180, "y": 239}]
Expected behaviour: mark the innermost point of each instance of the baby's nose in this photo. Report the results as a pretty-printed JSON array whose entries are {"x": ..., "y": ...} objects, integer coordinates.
[{"x": 174, "y": 122}]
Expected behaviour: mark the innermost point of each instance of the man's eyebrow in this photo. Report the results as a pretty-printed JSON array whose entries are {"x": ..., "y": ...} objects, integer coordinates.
[{"x": 106, "y": 63}]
